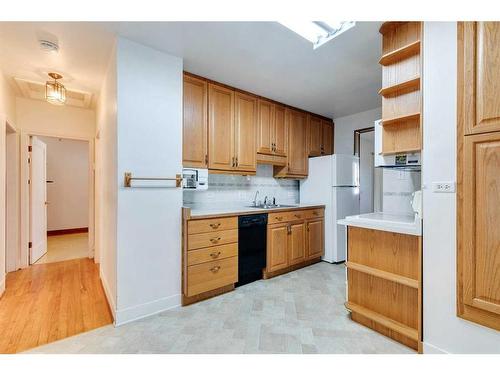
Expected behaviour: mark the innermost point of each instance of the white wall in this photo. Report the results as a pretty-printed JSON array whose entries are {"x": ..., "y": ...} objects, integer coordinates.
[
  {"x": 345, "y": 126},
  {"x": 231, "y": 190},
  {"x": 398, "y": 187},
  {"x": 106, "y": 182},
  {"x": 149, "y": 144},
  {"x": 366, "y": 172},
  {"x": 443, "y": 330},
  {"x": 7, "y": 113},
  {"x": 12, "y": 228},
  {"x": 68, "y": 194}
]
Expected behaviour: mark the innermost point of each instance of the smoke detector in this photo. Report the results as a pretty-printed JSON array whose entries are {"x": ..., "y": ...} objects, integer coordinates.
[{"x": 47, "y": 45}]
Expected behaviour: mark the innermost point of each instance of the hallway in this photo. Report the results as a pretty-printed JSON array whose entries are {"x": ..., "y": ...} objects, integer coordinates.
[
  {"x": 48, "y": 302},
  {"x": 65, "y": 247}
]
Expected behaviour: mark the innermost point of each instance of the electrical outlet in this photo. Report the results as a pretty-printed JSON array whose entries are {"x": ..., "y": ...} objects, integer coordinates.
[{"x": 443, "y": 187}]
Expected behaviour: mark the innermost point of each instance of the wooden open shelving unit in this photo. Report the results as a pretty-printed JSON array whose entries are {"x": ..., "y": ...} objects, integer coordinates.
[{"x": 401, "y": 87}]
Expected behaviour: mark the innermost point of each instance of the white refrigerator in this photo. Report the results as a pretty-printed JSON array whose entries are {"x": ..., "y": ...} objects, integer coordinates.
[{"x": 333, "y": 181}]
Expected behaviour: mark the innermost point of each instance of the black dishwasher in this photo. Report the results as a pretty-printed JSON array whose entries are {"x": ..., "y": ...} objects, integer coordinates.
[{"x": 252, "y": 234}]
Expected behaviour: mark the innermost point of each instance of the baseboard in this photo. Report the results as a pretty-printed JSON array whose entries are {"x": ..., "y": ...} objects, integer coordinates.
[
  {"x": 109, "y": 297},
  {"x": 431, "y": 349},
  {"x": 144, "y": 310},
  {"x": 2, "y": 287},
  {"x": 59, "y": 232}
]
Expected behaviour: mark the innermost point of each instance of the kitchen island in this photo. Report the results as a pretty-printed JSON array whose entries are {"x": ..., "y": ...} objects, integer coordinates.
[{"x": 384, "y": 274}]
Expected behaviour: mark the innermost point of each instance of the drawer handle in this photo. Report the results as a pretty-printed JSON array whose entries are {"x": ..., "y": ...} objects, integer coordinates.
[
  {"x": 215, "y": 240},
  {"x": 298, "y": 216},
  {"x": 279, "y": 218},
  {"x": 315, "y": 213},
  {"x": 215, "y": 225},
  {"x": 215, "y": 269},
  {"x": 215, "y": 255}
]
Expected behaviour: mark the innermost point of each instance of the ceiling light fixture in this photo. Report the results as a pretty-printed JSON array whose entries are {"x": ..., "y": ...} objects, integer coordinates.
[
  {"x": 319, "y": 32},
  {"x": 49, "y": 46},
  {"x": 55, "y": 92}
]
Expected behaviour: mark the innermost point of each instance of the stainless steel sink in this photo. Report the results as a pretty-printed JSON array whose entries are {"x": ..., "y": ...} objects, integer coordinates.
[{"x": 270, "y": 206}]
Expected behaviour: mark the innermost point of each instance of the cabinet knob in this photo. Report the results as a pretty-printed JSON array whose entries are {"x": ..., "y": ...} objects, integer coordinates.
[
  {"x": 215, "y": 255},
  {"x": 279, "y": 218},
  {"x": 215, "y": 239},
  {"x": 215, "y": 269},
  {"x": 215, "y": 225},
  {"x": 298, "y": 216}
]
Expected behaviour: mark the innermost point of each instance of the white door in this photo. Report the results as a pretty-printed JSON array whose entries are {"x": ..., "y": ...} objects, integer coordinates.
[{"x": 38, "y": 199}]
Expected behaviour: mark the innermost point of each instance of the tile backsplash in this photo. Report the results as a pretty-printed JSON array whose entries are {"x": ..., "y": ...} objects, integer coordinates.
[
  {"x": 398, "y": 186},
  {"x": 230, "y": 190}
]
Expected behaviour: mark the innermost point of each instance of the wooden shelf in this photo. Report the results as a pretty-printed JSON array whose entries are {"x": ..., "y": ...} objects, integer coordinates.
[
  {"x": 390, "y": 26},
  {"x": 398, "y": 327},
  {"x": 410, "y": 85},
  {"x": 412, "y": 283},
  {"x": 400, "y": 53},
  {"x": 399, "y": 119},
  {"x": 402, "y": 151}
]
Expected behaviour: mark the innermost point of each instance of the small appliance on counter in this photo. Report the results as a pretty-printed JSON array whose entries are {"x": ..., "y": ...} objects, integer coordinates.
[
  {"x": 333, "y": 181},
  {"x": 194, "y": 179},
  {"x": 403, "y": 160}
]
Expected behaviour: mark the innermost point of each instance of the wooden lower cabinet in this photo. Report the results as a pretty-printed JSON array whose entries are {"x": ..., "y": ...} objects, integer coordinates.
[
  {"x": 384, "y": 281},
  {"x": 297, "y": 240}
]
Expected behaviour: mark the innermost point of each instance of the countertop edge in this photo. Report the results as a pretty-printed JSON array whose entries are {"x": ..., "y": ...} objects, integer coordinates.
[
  {"x": 188, "y": 216},
  {"x": 382, "y": 227}
]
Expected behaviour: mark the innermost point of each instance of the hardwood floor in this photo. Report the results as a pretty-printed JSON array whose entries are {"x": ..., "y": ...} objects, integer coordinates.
[{"x": 48, "y": 302}]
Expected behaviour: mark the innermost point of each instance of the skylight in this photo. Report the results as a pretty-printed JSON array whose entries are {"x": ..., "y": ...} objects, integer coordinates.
[{"x": 318, "y": 32}]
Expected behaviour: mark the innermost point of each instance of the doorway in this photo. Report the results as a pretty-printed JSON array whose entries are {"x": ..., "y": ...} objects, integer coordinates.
[{"x": 58, "y": 199}]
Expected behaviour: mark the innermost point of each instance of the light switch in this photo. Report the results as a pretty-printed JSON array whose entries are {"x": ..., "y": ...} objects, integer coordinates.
[{"x": 444, "y": 187}]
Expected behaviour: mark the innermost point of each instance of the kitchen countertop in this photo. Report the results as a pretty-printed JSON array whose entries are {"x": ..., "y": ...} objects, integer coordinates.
[
  {"x": 195, "y": 212},
  {"x": 397, "y": 223}
]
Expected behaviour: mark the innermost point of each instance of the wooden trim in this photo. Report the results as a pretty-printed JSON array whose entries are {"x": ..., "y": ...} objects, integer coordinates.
[
  {"x": 383, "y": 274},
  {"x": 400, "y": 328},
  {"x": 235, "y": 172},
  {"x": 256, "y": 96},
  {"x": 389, "y": 26},
  {"x": 269, "y": 275},
  {"x": 402, "y": 151},
  {"x": 205, "y": 295},
  {"x": 399, "y": 119},
  {"x": 59, "y": 232}
]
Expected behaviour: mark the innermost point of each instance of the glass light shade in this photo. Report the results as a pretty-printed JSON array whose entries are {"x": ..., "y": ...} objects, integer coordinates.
[{"x": 55, "y": 93}]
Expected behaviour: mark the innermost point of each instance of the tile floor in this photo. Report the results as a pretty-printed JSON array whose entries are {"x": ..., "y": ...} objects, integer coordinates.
[
  {"x": 300, "y": 312},
  {"x": 65, "y": 247}
]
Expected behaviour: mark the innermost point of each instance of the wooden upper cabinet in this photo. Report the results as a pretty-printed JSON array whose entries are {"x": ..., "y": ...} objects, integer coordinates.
[
  {"x": 280, "y": 130},
  {"x": 277, "y": 247},
  {"x": 297, "y": 143},
  {"x": 315, "y": 136},
  {"x": 194, "y": 129},
  {"x": 327, "y": 137},
  {"x": 265, "y": 127},
  {"x": 315, "y": 238},
  {"x": 221, "y": 127},
  {"x": 245, "y": 132},
  {"x": 479, "y": 67}
]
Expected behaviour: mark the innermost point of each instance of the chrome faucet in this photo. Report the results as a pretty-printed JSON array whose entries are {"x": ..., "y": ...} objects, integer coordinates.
[{"x": 255, "y": 198}]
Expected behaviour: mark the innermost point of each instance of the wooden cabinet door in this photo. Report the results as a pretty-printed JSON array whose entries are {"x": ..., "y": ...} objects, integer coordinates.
[
  {"x": 221, "y": 127},
  {"x": 194, "y": 123},
  {"x": 277, "y": 245},
  {"x": 265, "y": 128},
  {"x": 315, "y": 238},
  {"x": 280, "y": 131},
  {"x": 245, "y": 132},
  {"x": 297, "y": 243},
  {"x": 479, "y": 75},
  {"x": 315, "y": 130},
  {"x": 327, "y": 138},
  {"x": 479, "y": 244},
  {"x": 297, "y": 143}
]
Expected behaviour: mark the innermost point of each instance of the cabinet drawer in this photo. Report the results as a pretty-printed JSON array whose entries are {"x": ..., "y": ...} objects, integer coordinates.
[
  {"x": 212, "y": 253},
  {"x": 212, "y": 225},
  {"x": 281, "y": 217},
  {"x": 316, "y": 213},
  {"x": 211, "y": 275},
  {"x": 200, "y": 240}
]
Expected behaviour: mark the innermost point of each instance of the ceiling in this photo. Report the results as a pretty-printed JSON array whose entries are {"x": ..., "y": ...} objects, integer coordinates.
[{"x": 340, "y": 78}]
